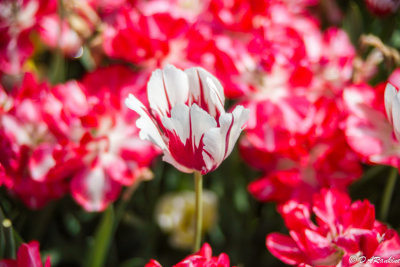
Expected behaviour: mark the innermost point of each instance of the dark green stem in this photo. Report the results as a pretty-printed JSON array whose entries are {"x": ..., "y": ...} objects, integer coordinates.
[
  {"x": 9, "y": 252},
  {"x": 388, "y": 194}
]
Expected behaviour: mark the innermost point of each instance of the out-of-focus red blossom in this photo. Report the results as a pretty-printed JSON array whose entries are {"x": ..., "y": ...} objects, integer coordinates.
[
  {"x": 191, "y": 10},
  {"x": 202, "y": 258},
  {"x": 2, "y": 175},
  {"x": 28, "y": 255},
  {"x": 34, "y": 162},
  {"x": 77, "y": 130},
  {"x": 184, "y": 43},
  {"x": 153, "y": 34},
  {"x": 382, "y": 7},
  {"x": 300, "y": 148},
  {"x": 110, "y": 147},
  {"x": 237, "y": 15},
  {"x": 57, "y": 34},
  {"x": 223, "y": 56},
  {"x": 295, "y": 132},
  {"x": 341, "y": 229},
  {"x": 17, "y": 20}
]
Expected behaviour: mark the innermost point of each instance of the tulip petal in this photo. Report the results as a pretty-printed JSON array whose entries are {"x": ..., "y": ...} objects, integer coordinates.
[
  {"x": 153, "y": 263},
  {"x": 285, "y": 248},
  {"x": 175, "y": 89},
  {"x": 189, "y": 124},
  {"x": 41, "y": 162},
  {"x": 396, "y": 115},
  {"x": 148, "y": 128},
  {"x": 206, "y": 90},
  {"x": 169, "y": 159},
  {"x": 178, "y": 122},
  {"x": 201, "y": 122},
  {"x": 219, "y": 142},
  {"x": 390, "y": 94},
  {"x": 93, "y": 189},
  {"x": 28, "y": 255},
  {"x": 240, "y": 116}
]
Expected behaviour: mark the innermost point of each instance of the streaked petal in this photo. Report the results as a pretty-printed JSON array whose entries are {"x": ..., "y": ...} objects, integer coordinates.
[
  {"x": 148, "y": 128},
  {"x": 166, "y": 88},
  {"x": 41, "y": 161},
  {"x": 28, "y": 255},
  {"x": 396, "y": 115},
  {"x": 178, "y": 122},
  {"x": 390, "y": 94},
  {"x": 93, "y": 190},
  {"x": 201, "y": 122},
  {"x": 206, "y": 90},
  {"x": 219, "y": 142},
  {"x": 168, "y": 158},
  {"x": 284, "y": 248},
  {"x": 240, "y": 116}
]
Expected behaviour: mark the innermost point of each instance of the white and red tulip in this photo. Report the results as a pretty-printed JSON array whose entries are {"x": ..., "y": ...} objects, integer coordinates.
[{"x": 187, "y": 119}]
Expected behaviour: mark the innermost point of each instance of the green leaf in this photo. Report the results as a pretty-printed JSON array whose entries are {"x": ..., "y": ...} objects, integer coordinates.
[
  {"x": 352, "y": 22},
  {"x": 57, "y": 68},
  {"x": 99, "y": 250}
]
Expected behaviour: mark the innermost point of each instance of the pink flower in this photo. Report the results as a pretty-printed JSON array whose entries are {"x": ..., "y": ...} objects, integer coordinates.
[
  {"x": 202, "y": 258},
  {"x": 342, "y": 229},
  {"x": 187, "y": 119},
  {"x": 28, "y": 255},
  {"x": 368, "y": 129}
]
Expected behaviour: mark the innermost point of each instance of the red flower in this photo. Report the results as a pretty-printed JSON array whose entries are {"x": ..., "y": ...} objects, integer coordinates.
[
  {"x": 28, "y": 255},
  {"x": 202, "y": 258},
  {"x": 342, "y": 229}
]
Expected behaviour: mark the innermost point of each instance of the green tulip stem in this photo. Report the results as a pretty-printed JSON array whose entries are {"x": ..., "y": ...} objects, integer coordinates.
[{"x": 198, "y": 186}]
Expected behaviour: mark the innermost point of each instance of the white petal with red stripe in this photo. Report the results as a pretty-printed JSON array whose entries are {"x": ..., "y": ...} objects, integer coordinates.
[
  {"x": 148, "y": 128},
  {"x": 167, "y": 88}
]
